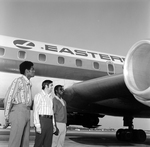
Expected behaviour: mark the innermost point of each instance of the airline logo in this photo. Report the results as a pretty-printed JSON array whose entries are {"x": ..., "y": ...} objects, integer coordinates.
[
  {"x": 60, "y": 50},
  {"x": 24, "y": 44}
]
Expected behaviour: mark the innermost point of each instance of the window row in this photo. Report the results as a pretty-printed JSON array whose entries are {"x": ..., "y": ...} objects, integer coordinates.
[{"x": 61, "y": 60}]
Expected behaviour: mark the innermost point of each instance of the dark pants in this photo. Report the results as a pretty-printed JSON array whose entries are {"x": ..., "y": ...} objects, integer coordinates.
[{"x": 45, "y": 138}]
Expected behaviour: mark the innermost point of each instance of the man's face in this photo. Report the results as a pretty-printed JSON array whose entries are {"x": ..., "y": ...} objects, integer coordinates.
[
  {"x": 31, "y": 72},
  {"x": 50, "y": 87},
  {"x": 60, "y": 91}
]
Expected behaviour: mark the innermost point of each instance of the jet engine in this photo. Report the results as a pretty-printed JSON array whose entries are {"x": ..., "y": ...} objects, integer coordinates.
[
  {"x": 137, "y": 79},
  {"x": 137, "y": 71}
]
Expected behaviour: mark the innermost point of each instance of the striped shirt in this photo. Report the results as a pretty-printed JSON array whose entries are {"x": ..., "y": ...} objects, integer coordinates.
[
  {"x": 19, "y": 92},
  {"x": 43, "y": 105}
]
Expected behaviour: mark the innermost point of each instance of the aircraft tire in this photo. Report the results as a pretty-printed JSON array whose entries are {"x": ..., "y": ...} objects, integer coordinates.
[
  {"x": 119, "y": 134},
  {"x": 127, "y": 135},
  {"x": 139, "y": 136}
]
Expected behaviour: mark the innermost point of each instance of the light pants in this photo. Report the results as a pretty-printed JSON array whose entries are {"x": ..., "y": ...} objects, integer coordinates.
[
  {"x": 58, "y": 141},
  {"x": 20, "y": 126}
]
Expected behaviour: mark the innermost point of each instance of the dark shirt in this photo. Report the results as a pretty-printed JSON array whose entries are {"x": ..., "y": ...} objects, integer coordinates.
[{"x": 60, "y": 111}]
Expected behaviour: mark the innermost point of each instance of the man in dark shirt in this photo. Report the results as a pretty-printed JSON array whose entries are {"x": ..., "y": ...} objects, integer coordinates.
[{"x": 60, "y": 115}]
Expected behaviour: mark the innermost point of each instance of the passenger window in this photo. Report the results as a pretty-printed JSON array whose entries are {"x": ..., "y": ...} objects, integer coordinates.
[
  {"x": 42, "y": 57},
  {"x": 96, "y": 65},
  {"x": 2, "y": 51},
  {"x": 21, "y": 54},
  {"x": 110, "y": 68},
  {"x": 78, "y": 62},
  {"x": 61, "y": 60}
]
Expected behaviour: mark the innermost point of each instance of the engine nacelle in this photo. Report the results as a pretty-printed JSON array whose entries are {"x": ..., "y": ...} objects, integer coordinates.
[{"x": 137, "y": 71}]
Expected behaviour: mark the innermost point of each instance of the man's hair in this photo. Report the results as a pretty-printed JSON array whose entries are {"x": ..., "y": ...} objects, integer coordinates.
[
  {"x": 25, "y": 65},
  {"x": 56, "y": 88},
  {"x": 46, "y": 82}
]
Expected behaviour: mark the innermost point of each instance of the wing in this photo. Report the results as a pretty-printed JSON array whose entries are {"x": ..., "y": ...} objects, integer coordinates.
[{"x": 108, "y": 95}]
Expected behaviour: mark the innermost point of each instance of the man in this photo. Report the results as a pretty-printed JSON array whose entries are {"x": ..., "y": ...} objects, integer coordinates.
[
  {"x": 43, "y": 115},
  {"x": 60, "y": 115},
  {"x": 17, "y": 105}
]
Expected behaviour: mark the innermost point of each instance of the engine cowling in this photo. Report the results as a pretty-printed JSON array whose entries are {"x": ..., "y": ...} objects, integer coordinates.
[{"x": 137, "y": 71}]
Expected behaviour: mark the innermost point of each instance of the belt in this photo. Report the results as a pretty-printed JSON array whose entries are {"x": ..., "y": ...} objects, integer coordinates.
[
  {"x": 46, "y": 116},
  {"x": 22, "y": 106}
]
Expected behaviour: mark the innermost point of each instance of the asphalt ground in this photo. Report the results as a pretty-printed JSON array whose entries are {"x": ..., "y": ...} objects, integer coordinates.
[{"x": 83, "y": 138}]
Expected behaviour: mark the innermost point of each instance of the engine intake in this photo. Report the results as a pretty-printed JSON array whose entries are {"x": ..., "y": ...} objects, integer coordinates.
[{"x": 137, "y": 71}]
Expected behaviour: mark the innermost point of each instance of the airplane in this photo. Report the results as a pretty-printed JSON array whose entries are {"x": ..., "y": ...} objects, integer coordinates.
[{"x": 96, "y": 83}]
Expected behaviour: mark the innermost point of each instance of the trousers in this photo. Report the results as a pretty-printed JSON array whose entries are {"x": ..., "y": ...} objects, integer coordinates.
[
  {"x": 44, "y": 139},
  {"x": 20, "y": 126},
  {"x": 58, "y": 141}
]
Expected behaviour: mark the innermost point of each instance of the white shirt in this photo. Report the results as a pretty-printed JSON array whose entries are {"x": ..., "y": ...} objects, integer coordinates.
[{"x": 43, "y": 105}]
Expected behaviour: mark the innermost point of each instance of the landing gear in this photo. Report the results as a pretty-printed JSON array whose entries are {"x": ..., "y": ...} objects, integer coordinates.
[
  {"x": 86, "y": 120},
  {"x": 130, "y": 134}
]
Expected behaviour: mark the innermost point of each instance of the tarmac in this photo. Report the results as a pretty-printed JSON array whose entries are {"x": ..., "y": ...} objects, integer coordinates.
[{"x": 84, "y": 138}]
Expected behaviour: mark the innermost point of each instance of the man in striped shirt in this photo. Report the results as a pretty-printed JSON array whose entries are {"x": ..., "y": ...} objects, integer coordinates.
[
  {"x": 43, "y": 115},
  {"x": 17, "y": 105}
]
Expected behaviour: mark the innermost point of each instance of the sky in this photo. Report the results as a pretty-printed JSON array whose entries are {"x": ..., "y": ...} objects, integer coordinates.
[{"x": 109, "y": 26}]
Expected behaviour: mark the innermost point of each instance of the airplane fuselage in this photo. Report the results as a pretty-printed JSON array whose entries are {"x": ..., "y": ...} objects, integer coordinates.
[{"x": 50, "y": 59}]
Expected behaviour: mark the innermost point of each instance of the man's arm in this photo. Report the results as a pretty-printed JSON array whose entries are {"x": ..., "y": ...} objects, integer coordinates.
[
  {"x": 8, "y": 101},
  {"x": 36, "y": 105},
  {"x": 56, "y": 130}
]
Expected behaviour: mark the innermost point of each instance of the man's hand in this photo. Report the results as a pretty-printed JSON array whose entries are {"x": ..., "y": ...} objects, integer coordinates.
[
  {"x": 38, "y": 130},
  {"x": 6, "y": 124},
  {"x": 55, "y": 131}
]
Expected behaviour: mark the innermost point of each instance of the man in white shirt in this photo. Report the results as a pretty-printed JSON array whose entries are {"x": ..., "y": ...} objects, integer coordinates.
[{"x": 43, "y": 115}]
